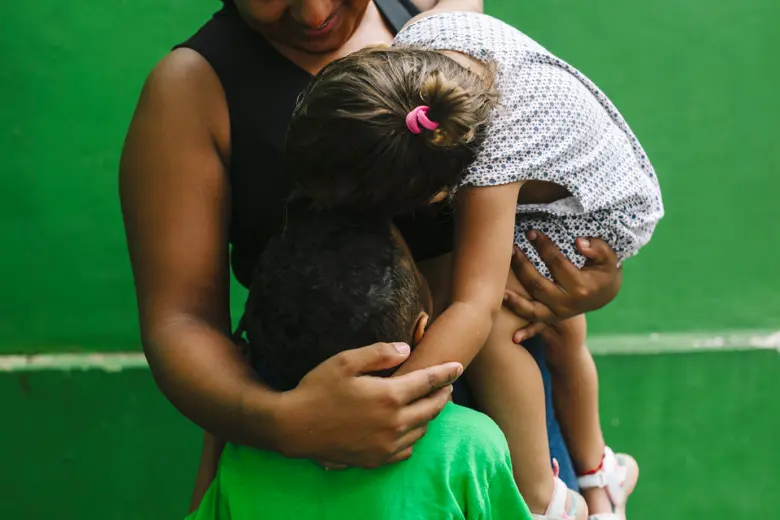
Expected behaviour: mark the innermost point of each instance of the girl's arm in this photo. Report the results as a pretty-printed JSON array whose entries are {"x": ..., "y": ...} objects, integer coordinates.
[{"x": 485, "y": 227}]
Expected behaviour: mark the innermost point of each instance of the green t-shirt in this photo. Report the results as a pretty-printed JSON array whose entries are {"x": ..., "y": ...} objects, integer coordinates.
[{"x": 459, "y": 469}]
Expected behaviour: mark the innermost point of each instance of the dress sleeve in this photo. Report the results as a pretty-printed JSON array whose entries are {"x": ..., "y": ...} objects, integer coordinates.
[{"x": 549, "y": 125}]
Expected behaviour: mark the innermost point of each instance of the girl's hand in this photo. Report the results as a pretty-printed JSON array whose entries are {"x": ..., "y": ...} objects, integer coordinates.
[
  {"x": 341, "y": 417},
  {"x": 575, "y": 291}
]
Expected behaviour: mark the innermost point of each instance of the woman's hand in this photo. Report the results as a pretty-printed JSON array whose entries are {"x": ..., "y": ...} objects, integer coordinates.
[
  {"x": 341, "y": 417},
  {"x": 568, "y": 333},
  {"x": 575, "y": 291}
]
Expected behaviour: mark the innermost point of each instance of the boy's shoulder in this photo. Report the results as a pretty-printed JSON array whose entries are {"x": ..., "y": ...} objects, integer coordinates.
[
  {"x": 458, "y": 434},
  {"x": 464, "y": 423},
  {"x": 465, "y": 433},
  {"x": 461, "y": 462}
]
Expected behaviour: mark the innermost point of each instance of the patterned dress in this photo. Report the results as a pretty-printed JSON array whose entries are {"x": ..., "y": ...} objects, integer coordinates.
[{"x": 552, "y": 124}]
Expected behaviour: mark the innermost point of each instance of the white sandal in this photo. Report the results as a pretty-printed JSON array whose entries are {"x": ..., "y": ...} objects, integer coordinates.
[
  {"x": 617, "y": 474},
  {"x": 578, "y": 509}
]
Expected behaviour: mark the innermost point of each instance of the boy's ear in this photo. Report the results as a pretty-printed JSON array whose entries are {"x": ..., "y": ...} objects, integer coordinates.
[{"x": 419, "y": 328}]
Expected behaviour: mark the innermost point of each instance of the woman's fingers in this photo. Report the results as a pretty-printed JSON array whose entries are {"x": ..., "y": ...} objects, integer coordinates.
[
  {"x": 597, "y": 251},
  {"x": 331, "y": 466},
  {"x": 373, "y": 358},
  {"x": 342, "y": 417},
  {"x": 403, "y": 454},
  {"x": 529, "y": 310},
  {"x": 539, "y": 287},
  {"x": 528, "y": 332},
  {"x": 426, "y": 384},
  {"x": 421, "y": 412},
  {"x": 562, "y": 270}
]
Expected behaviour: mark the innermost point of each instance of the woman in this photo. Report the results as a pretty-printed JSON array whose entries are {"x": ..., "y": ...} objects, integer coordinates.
[{"x": 201, "y": 170}]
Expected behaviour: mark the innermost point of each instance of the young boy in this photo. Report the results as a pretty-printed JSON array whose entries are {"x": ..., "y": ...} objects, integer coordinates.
[{"x": 331, "y": 282}]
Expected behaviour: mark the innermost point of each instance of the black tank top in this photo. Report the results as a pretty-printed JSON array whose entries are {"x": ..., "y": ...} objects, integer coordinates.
[{"x": 261, "y": 88}]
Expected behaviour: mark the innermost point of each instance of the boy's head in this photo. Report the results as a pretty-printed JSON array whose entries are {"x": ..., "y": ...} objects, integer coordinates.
[
  {"x": 349, "y": 145},
  {"x": 332, "y": 281}
]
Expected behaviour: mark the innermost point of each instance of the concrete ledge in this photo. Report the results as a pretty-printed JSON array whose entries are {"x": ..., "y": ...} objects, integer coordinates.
[{"x": 661, "y": 343}]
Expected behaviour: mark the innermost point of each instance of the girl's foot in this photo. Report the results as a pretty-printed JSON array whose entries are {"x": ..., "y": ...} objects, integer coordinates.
[
  {"x": 565, "y": 503},
  {"x": 617, "y": 477}
]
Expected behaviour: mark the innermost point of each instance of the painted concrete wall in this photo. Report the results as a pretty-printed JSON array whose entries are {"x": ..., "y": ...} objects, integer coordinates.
[
  {"x": 694, "y": 79},
  {"x": 107, "y": 446}
]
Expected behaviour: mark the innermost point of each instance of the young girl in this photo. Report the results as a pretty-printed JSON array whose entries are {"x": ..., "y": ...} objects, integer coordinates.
[{"x": 465, "y": 105}]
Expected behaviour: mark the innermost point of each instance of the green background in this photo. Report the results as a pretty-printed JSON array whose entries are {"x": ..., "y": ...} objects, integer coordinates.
[
  {"x": 696, "y": 79},
  {"x": 108, "y": 446}
]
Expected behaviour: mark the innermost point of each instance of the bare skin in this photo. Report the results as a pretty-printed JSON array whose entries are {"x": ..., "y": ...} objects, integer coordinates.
[
  {"x": 507, "y": 384},
  {"x": 574, "y": 291},
  {"x": 572, "y": 368},
  {"x": 576, "y": 397}
]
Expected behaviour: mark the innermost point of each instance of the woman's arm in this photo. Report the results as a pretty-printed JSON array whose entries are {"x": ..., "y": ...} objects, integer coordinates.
[
  {"x": 485, "y": 227},
  {"x": 176, "y": 204},
  {"x": 175, "y": 201},
  {"x": 207, "y": 470}
]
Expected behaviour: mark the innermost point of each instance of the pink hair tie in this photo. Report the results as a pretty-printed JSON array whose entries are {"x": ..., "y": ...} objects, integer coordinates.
[{"x": 419, "y": 116}]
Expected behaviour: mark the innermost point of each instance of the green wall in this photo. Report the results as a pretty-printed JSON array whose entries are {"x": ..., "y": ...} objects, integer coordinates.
[
  {"x": 107, "y": 446},
  {"x": 693, "y": 77},
  {"x": 70, "y": 78}
]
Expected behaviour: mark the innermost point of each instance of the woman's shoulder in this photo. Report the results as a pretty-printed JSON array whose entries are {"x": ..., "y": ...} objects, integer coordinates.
[
  {"x": 184, "y": 81},
  {"x": 182, "y": 71}
]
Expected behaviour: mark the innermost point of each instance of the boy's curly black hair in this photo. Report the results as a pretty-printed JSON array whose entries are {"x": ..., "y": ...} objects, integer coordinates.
[{"x": 331, "y": 281}]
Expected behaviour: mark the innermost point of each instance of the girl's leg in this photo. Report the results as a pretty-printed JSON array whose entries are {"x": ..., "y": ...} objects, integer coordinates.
[
  {"x": 607, "y": 479},
  {"x": 530, "y": 382},
  {"x": 507, "y": 384},
  {"x": 576, "y": 397},
  {"x": 558, "y": 450}
]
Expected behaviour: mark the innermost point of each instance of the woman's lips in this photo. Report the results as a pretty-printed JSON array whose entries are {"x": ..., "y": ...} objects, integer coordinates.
[{"x": 326, "y": 28}]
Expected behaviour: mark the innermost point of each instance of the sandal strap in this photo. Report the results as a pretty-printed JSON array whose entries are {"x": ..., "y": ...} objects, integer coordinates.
[
  {"x": 610, "y": 475},
  {"x": 557, "y": 508},
  {"x": 593, "y": 480}
]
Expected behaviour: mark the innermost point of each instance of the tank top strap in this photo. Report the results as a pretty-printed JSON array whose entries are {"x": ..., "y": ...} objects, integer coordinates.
[{"x": 396, "y": 12}]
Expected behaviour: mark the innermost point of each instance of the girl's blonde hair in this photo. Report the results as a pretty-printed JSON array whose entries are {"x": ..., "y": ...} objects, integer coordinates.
[{"x": 348, "y": 144}]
